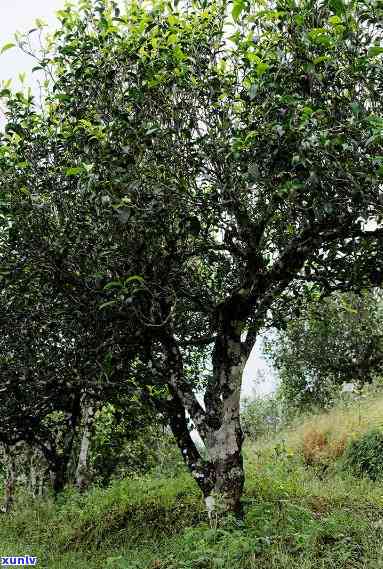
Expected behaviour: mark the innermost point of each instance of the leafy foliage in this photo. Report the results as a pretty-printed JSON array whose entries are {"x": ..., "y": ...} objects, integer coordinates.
[
  {"x": 126, "y": 444},
  {"x": 364, "y": 455}
]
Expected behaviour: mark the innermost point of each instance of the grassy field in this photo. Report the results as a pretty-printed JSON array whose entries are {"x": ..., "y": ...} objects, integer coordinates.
[{"x": 302, "y": 511}]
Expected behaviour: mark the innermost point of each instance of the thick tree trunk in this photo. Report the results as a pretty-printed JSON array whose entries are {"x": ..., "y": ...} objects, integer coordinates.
[
  {"x": 221, "y": 475},
  {"x": 37, "y": 472},
  {"x": 40, "y": 487},
  {"x": 9, "y": 457},
  {"x": 32, "y": 482},
  {"x": 224, "y": 441},
  {"x": 227, "y": 473}
]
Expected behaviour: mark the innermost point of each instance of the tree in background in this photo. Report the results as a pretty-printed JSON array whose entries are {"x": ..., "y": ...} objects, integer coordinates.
[
  {"x": 261, "y": 416},
  {"x": 181, "y": 189},
  {"x": 333, "y": 340}
]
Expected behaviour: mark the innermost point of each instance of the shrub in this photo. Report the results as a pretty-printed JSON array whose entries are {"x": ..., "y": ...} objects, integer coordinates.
[
  {"x": 314, "y": 443},
  {"x": 319, "y": 448},
  {"x": 364, "y": 456}
]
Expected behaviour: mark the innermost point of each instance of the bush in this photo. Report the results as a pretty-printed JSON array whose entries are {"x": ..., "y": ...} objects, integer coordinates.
[
  {"x": 364, "y": 456},
  {"x": 320, "y": 448}
]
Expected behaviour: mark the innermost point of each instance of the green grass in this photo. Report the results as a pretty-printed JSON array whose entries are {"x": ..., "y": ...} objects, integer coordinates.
[{"x": 296, "y": 517}]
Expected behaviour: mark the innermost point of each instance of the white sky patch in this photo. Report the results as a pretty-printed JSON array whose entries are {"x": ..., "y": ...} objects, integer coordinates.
[{"x": 20, "y": 16}]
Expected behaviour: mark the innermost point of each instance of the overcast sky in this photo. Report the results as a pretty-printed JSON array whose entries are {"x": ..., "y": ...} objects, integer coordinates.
[{"x": 20, "y": 15}]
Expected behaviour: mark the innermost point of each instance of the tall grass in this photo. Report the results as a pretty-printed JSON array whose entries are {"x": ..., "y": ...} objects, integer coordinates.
[{"x": 329, "y": 432}]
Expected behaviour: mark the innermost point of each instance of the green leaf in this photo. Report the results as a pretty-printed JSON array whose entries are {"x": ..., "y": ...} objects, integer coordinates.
[
  {"x": 238, "y": 8},
  {"x": 73, "y": 171},
  {"x": 113, "y": 284},
  {"x": 60, "y": 96},
  {"x": 105, "y": 304},
  {"x": 335, "y": 20},
  {"x": 173, "y": 20},
  {"x": 321, "y": 59},
  {"x": 307, "y": 111},
  {"x": 319, "y": 36},
  {"x": 355, "y": 108},
  {"x": 261, "y": 68},
  {"x": 151, "y": 131},
  {"x": 235, "y": 38},
  {"x": 87, "y": 167},
  {"x": 337, "y": 6},
  {"x": 347, "y": 306},
  {"x": 133, "y": 278},
  {"x": 374, "y": 51},
  {"x": 6, "y": 47},
  {"x": 40, "y": 23},
  {"x": 172, "y": 39}
]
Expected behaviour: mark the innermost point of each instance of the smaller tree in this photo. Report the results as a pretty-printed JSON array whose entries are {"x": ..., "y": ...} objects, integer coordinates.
[
  {"x": 261, "y": 416},
  {"x": 333, "y": 340}
]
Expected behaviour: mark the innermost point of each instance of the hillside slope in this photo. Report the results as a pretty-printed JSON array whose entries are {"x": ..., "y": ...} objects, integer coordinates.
[{"x": 298, "y": 515}]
